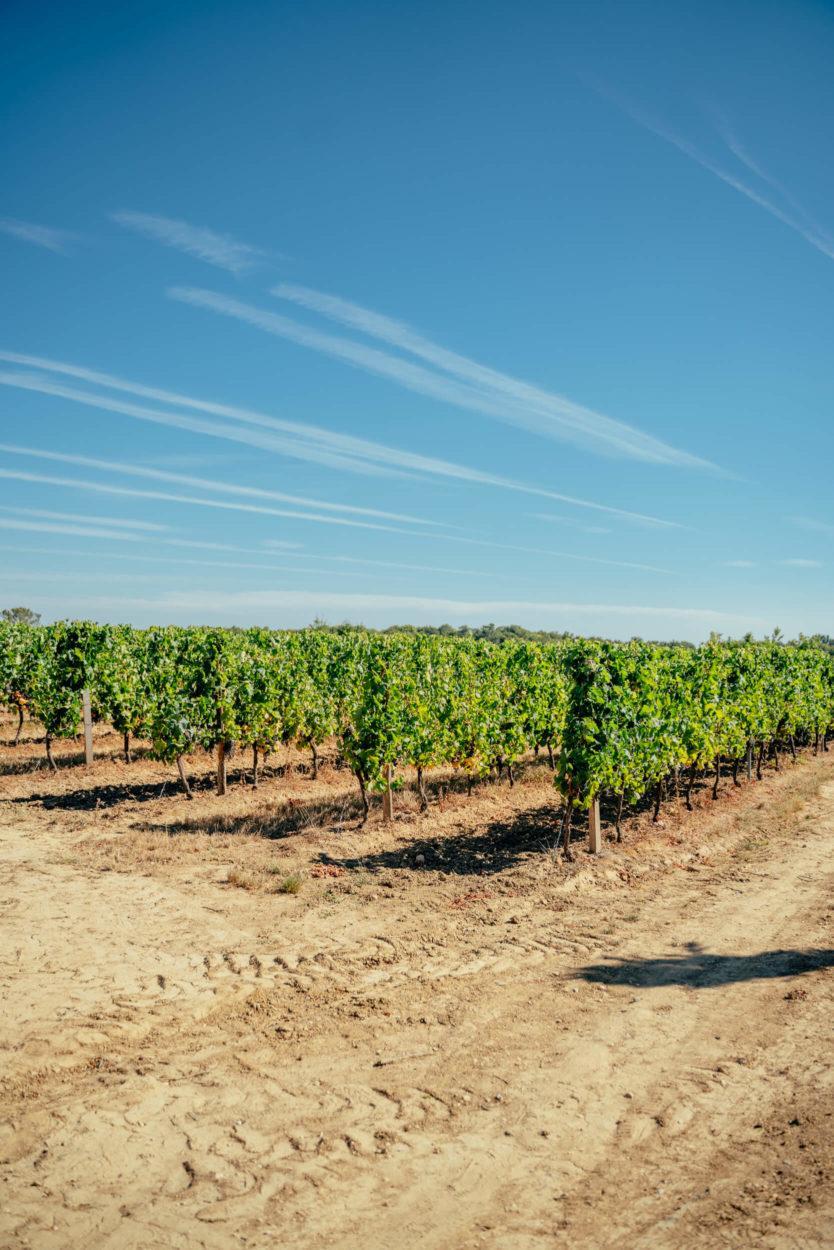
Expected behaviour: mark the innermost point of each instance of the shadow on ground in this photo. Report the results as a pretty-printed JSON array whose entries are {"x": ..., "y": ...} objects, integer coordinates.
[
  {"x": 290, "y": 816},
  {"x": 93, "y": 796},
  {"x": 489, "y": 849},
  {"x": 498, "y": 846},
  {"x": 39, "y": 765},
  {"x": 700, "y": 970},
  {"x": 286, "y": 814}
]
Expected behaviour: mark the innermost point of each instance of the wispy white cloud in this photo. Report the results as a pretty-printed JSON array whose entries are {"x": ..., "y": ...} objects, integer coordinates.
[
  {"x": 41, "y": 520},
  {"x": 87, "y": 575},
  {"x": 570, "y": 522},
  {"x": 305, "y": 442},
  {"x": 106, "y": 488},
  {"x": 42, "y": 236},
  {"x": 284, "y": 603},
  {"x": 216, "y": 249},
  {"x": 390, "y": 566},
  {"x": 741, "y": 153},
  {"x": 202, "y": 483},
  {"x": 236, "y": 430},
  {"x": 156, "y": 558},
  {"x": 322, "y": 567},
  {"x": 173, "y": 542},
  {"x": 109, "y": 521},
  {"x": 364, "y": 561},
  {"x": 794, "y": 216},
  {"x": 813, "y": 526},
  {"x": 199, "y": 545},
  {"x": 558, "y": 555},
  {"x": 495, "y": 393},
  {"x": 797, "y": 562},
  {"x": 63, "y": 527},
  {"x": 454, "y": 380}
]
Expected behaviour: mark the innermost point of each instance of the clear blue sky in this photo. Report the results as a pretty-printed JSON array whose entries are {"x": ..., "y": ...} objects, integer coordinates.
[{"x": 514, "y": 312}]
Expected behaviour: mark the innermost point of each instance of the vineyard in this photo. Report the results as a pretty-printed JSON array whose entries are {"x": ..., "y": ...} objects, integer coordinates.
[{"x": 621, "y": 720}]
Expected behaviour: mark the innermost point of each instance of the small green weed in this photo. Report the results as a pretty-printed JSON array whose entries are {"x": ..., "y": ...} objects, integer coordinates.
[{"x": 290, "y": 885}]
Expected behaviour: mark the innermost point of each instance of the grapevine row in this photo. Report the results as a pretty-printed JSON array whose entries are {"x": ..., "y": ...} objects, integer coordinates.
[
  {"x": 391, "y": 700},
  {"x": 643, "y": 717},
  {"x": 625, "y": 719}
]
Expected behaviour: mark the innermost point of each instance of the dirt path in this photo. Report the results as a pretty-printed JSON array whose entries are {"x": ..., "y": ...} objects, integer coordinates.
[{"x": 606, "y": 1058}]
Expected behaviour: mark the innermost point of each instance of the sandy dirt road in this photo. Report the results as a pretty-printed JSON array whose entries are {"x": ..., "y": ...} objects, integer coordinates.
[{"x": 633, "y": 1052}]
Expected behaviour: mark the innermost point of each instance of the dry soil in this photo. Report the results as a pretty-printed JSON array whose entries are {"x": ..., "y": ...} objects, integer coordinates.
[{"x": 248, "y": 1021}]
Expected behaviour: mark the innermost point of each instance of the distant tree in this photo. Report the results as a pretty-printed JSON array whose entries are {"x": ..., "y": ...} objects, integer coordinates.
[{"x": 20, "y": 616}]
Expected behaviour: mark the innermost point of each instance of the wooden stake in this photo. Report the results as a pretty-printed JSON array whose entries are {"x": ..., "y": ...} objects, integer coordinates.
[
  {"x": 749, "y": 761},
  {"x": 594, "y": 827},
  {"x": 388, "y": 797},
  {"x": 88, "y": 726},
  {"x": 221, "y": 768}
]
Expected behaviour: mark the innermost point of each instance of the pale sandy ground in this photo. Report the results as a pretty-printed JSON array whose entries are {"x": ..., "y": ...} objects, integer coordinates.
[{"x": 482, "y": 1048}]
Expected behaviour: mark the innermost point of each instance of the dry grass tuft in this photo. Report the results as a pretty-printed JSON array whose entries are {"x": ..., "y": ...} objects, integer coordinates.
[
  {"x": 244, "y": 880},
  {"x": 290, "y": 885}
]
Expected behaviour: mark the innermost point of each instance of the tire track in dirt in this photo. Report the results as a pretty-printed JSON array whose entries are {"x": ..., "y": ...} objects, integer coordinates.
[{"x": 186, "y": 1077}]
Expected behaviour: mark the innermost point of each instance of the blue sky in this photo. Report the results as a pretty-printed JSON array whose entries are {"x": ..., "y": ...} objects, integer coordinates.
[{"x": 423, "y": 313}]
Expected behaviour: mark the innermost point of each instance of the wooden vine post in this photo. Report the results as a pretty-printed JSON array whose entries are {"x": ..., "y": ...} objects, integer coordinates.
[
  {"x": 221, "y": 768},
  {"x": 388, "y": 797},
  {"x": 88, "y": 726},
  {"x": 594, "y": 827}
]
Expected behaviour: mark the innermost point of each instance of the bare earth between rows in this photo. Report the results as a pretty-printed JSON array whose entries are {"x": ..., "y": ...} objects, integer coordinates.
[{"x": 447, "y": 1038}]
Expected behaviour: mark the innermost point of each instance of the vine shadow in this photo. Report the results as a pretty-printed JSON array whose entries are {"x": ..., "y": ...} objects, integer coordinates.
[
  {"x": 487, "y": 852},
  {"x": 103, "y": 795},
  {"x": 39, "y": 765},
  {"x": 700, "y": 970},
  {"x": 96, "y": 798},
  {"x": 293, "y": 815}
]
